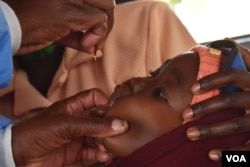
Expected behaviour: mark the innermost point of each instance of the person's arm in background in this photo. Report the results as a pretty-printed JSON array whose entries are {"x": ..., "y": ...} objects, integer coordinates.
[
  {"x": 241, "y": 100},
  {"x": 10, "y": 35}
]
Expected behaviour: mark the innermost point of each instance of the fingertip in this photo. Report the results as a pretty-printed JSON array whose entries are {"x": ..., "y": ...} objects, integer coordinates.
[
  {"x": 90, "y": 42},
  {"x": 195, "y": 88},
  {"x": 187, "y": 114},
  {"x": 214, "y": 155},
  {"x": 104, "y": 127},
  {"x": 101, "y": 110},
  {"x": 103, "y": 156},
  {"x": 193, "y": 134},
  {"x": 101, "y": 148},
  {"x": 248, "y": 142},
  {"x": 119, "y": 125}
]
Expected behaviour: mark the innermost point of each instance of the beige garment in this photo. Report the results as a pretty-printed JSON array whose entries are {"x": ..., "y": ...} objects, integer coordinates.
[{"x": 145, "y": 34}]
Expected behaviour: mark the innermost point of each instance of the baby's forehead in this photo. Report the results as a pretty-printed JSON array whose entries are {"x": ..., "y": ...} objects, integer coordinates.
[
  {"x": 178, "y": 57},
  {"x": 166, "y": 62},
  {"x": 204, "y": 52}
]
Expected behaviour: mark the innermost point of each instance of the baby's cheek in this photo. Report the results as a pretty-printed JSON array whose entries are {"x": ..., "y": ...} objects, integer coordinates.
[
  {"x": 120, "y": 145},
  {"x": 125, "y": 109}
]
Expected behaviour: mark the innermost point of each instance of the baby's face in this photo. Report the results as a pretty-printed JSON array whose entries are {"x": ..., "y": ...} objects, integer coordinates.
[{"x": 152, "y": 105}]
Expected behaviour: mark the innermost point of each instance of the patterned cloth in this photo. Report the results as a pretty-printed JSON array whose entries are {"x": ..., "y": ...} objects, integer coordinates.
[{"x": 210, "y": 62}]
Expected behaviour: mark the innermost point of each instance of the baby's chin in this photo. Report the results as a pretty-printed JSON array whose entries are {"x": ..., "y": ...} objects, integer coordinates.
[{"x": 114, "y": 146}]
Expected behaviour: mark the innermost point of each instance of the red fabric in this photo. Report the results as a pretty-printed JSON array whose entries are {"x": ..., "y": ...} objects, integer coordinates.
[
  {"x": 175, "y": 150},
  {"x": 209, "y": 63}
]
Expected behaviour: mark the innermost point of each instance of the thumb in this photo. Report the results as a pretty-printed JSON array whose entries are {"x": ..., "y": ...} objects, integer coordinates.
[
  {"x": 94, "y": 126},
  {"x": 94, "y": 38}
]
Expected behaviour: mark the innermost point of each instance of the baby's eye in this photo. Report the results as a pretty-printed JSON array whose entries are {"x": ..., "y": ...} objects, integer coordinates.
[{"x": 159, "y": 92}]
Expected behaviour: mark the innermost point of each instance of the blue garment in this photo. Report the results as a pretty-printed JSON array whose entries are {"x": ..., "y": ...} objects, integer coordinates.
[
  {"x": 6, "y": 64},
  {"x": 4, "y": 122},
  {"x": 8, "y": 39}
]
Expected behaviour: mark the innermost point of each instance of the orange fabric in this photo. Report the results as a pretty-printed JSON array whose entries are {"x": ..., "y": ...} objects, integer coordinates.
[
  {"x": 209, "y": 64},
  {"x": 145, "y": 34}
]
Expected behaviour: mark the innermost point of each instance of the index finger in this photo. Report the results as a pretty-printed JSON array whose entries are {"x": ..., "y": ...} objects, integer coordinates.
[
  {"x": 107, "y": 6},
  {"x": 85, "y": 100},
  {"x": 229, "y": 77}
]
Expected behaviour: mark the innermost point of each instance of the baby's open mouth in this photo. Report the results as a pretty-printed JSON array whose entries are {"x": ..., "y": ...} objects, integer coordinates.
[{"x": 120, "y": 91}]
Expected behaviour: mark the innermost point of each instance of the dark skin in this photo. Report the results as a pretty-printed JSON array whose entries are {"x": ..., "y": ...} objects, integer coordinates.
[
  {"x": 152, "y": 105},
  {"x": 74, "y": 149},
  {"x": 62, "y": 21},
  {"x": 240, "y": 100},
  {"x": 216, "y": 103},
  {"x": 57, "y": 136},
  {"x": 62, "y": 133},
  {"x": 200, "y": 109}
]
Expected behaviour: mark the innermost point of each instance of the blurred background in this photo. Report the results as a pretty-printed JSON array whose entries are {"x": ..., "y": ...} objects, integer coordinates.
[{"x": 209, "y": 20}]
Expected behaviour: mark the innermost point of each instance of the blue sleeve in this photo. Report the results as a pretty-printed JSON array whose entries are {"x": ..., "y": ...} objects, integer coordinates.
[
  {"x": 6, "y": 156},
  {"x": 6, "y": 70},
  {"x": 6, "y": 64},
  {"x": 4, "y": 122}
]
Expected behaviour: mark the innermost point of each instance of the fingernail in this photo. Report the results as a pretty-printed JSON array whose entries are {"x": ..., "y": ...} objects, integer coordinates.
[
  {"x": 193, "y": 134},
  {"x": 196, "y": 88},
  {"x": 187, "y": 114},
  {"x": 118, "y": 125},
  {"x": 102, "y": 109},
  {"x": 102, "y": 148},
  {"x": 215, "y": 156}
]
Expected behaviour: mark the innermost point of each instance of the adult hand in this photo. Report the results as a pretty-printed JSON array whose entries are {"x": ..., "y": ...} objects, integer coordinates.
[
  {"x": 44, "y": 22},
  {"x": 58, "y": 135},
  {"x": 233, "y": 77}
]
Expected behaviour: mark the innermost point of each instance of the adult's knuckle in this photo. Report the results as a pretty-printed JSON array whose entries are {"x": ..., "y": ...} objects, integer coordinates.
[
  {"x": 206, "y": 132},
  {"x": 227, "y": 98},
  {"x": 233, "y": 73},
  {"x": 205, "y": 82},
  {"x": 198, "y": 109},
  {"x": 238, "y": 125},
  {"x": 100, "y": 128}
]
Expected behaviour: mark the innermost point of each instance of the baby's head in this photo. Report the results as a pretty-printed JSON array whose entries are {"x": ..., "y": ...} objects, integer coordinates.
[{"x": 153, "y": 105}]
